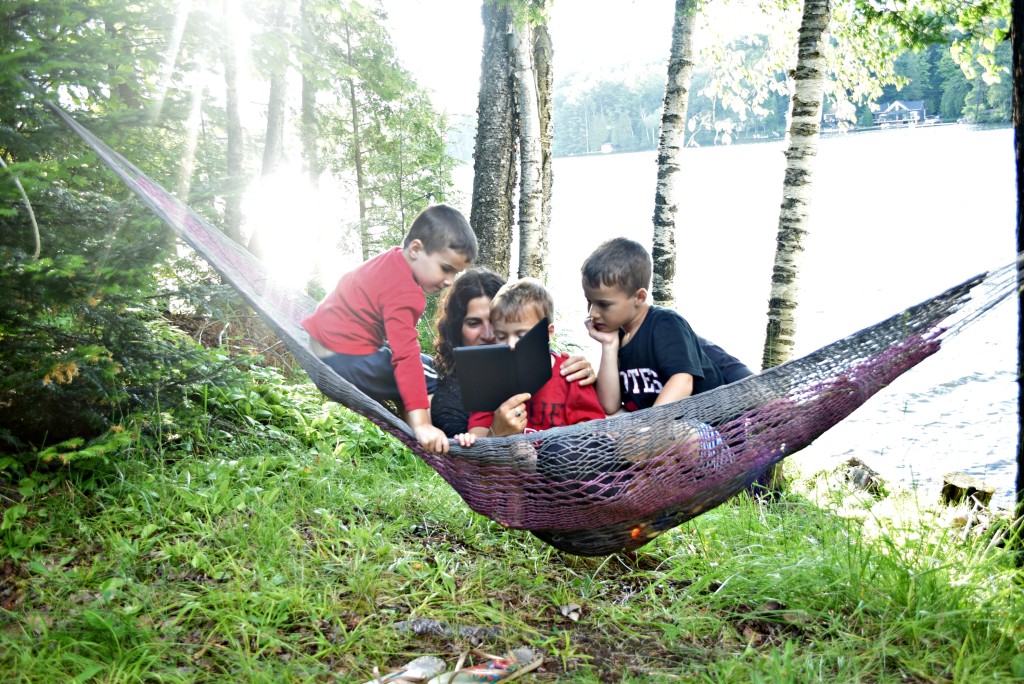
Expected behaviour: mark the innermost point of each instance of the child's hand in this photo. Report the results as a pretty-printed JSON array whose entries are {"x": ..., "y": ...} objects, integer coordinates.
[
  {"x": 466, "y": 439},
  {"x": 609, "y": 339},
  {"x": 431, "y": 438},
  {"x": 576, "y": 368},
  {"x": 510, "y": 418}
]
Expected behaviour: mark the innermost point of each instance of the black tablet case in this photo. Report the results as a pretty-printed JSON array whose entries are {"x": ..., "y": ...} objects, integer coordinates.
[{"x": 491, "y": 373}]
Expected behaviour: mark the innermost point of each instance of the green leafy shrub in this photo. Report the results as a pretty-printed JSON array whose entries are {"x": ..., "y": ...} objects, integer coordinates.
[{"x": 83, "y": 337}]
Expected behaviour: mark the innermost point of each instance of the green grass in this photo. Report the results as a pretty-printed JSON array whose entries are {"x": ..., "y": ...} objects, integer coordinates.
[{"x": 289, "y": 552}]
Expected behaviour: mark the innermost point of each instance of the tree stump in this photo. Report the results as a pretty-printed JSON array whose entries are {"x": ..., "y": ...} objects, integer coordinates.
[{"x": 959, "y": 487}]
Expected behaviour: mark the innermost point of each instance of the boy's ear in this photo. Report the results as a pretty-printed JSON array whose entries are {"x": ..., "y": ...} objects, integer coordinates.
[
  {"x": 551, "y": 330},
  {"x": 641, "y": 295},
  {"x": 415, "y": 247}
]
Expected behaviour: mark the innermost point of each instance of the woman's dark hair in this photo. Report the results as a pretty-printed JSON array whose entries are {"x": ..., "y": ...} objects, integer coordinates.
[{"x": 473, "y": 283}]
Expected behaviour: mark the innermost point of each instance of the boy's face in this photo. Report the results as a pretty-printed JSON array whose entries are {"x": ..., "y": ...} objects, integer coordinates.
[
  {"x": 434, "y": 271},
  {"x": 610, "y": 308},
  {"x": 510, "y": 332}
]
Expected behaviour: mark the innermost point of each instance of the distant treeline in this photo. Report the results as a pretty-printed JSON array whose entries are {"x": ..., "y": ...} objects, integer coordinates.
[
  {"x": 621, "y": 111},
  {"x": 625, "y": 112}
]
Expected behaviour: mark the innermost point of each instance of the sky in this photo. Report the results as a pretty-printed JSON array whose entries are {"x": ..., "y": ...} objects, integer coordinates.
[{"x": 441, "y": 41}]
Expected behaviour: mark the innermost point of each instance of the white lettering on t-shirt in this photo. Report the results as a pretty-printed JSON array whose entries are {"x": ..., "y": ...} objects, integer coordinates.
[
  {"x": 651, "y": 383},
  {"x": 641, "y": 381}
]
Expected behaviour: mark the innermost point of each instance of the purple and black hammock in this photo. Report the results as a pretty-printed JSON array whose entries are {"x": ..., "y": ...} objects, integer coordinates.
[{"x": 612, "y": 485}]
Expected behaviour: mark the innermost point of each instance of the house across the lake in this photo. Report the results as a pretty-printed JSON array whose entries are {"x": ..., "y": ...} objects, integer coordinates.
[
  {"x": 842, "y": 115},
  {"x": 900, "y": 112}
]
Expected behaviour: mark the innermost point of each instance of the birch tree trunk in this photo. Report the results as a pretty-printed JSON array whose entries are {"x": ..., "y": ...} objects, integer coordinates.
[
  {"x": 543, "y": 55},
  {"x": 494, "y": 170},
  {"x": 235, "y": 179},
  {"x": 670, "y": 148},
  {"x": 532, "y": 240},
  {"x": 794, "y": 217}
]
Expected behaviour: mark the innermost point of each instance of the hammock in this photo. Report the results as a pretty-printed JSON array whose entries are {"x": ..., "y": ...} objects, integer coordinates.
[{"x": 613, "y": 485}]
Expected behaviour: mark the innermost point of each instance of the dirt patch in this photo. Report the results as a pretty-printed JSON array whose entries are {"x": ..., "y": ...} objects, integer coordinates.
[
  {"x": 12, "y": 584},
  {"x": 770, "y": 624}
]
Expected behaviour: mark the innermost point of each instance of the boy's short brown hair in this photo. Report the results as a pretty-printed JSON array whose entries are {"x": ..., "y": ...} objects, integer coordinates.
[
  {"x": 515, "y": 296},
  {"x": 619, "y": 262},
  {"x": 439, "y": 226}
]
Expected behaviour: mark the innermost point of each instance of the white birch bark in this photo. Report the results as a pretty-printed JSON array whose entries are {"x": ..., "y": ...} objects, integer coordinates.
[
  {"x": 670, "y": 147},
  {"x": 794, "y": 217},
  {"x": 532, "y": 240}
]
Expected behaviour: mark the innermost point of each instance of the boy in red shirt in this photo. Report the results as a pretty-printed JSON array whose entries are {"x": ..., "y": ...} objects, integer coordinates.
[
  {"x": 516, "y": 308},
  {"x": 366, "y": 328}
]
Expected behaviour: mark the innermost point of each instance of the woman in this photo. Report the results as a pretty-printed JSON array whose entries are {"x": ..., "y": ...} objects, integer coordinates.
[{"x": 465, "y": 321}]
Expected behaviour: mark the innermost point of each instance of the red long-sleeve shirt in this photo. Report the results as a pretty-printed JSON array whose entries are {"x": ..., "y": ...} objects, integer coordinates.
[
  {"x": 377, "y": 301},
  {"x": 559, "y": 402}
]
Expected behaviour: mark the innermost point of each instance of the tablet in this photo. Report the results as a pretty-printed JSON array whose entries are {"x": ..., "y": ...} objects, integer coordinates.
[{"x": 491, "y": 373}]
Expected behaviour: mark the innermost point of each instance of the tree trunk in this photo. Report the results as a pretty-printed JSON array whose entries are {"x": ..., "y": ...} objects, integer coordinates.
[
  {"x": 586, "y": 123},
  {"x": 494, "y": 170},
  {"x": 794, "y": 217},
  {"x": 273, "y": 146},
  {"x": 308, "y": 120},
  {"x": 1018, "y": 142},
  {"x": 273, "y": 149},
  {"x": 357, "y": 149},
  {"x": 670, "y": 149},
  {"x": 543, "y": 55},
  {"x": 532, "y": 241},
  {"x": 123, "y": 74},
  {"x": 311, "y": 166},
  {"x": 187, "y": 166},
  {"x": 235, "y": 178}
]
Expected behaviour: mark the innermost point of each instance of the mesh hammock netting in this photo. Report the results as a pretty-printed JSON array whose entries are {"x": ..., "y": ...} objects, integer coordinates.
[{"x": 612, "y": 485}]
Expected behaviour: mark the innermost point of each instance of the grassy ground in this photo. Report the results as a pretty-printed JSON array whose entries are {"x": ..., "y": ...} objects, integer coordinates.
[{"x": 291, "y": 555}]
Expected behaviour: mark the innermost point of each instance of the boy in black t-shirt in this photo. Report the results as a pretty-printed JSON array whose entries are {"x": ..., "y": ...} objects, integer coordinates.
[{"x": 660, "y": 359}]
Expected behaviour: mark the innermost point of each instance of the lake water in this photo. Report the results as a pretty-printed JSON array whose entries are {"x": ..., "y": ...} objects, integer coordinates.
[{"x": 899, "y": 215}]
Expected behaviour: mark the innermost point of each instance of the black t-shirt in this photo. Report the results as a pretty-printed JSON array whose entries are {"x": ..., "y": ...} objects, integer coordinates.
[
  {"x": 663, "y": 346},
  {"x": 732, "y": 368}
]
